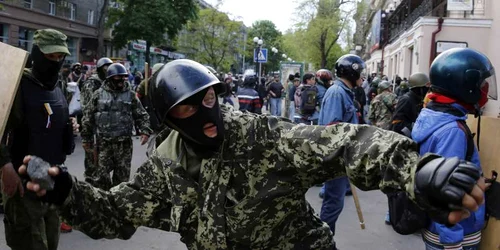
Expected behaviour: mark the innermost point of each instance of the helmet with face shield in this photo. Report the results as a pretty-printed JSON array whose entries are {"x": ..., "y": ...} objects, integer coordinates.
[{"x": 464, "y": 74}]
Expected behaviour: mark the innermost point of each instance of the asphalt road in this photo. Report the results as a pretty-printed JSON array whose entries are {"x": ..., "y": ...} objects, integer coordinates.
[{"x": 349, "y": 236}]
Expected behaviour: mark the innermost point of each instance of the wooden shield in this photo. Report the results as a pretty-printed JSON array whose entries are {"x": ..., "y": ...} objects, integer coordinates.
[
  {"x": 11, "y": 70},
  {"x": 489, "y": 143}
]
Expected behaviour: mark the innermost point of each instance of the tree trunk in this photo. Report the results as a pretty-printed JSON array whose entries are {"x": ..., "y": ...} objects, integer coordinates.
[
  {"x": 101, "y": 26},
  {"x": 323, "y": 60},
  {"x": 148, "y": 48}
]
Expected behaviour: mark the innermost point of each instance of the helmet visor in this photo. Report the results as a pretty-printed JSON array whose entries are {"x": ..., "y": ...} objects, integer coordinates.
[{"x": 490, "y": 86}]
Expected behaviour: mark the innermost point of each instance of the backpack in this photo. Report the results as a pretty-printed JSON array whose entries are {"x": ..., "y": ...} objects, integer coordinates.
[
  {"x": 307, "y": 100},
  {"x": 405, "y": 216}
]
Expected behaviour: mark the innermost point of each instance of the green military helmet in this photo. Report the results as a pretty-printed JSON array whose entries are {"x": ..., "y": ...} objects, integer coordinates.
[
  {"x": 403, "y": 85},
  {"x": 156, "y": 67},
  {"x": 418, "y": 80},
  {"x": 383, "y": 85},
  {"x": 375, "y": 82}
]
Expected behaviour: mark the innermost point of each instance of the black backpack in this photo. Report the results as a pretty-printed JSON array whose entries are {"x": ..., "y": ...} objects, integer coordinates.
[
  {"x": 308, "y": 101},
  {"x": 405, "y": 216}
]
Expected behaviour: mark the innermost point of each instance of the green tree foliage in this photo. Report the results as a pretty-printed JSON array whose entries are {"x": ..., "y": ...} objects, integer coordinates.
[
  {"x": 319, "y": 31},
  {"x": 101, "y": 26},
  {"x": 272, "y": 37},
  {"x": 150, "y": 20},
  {"x": 213, "y": 39}
]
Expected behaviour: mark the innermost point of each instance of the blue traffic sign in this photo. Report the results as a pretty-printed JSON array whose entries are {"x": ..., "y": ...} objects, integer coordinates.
[{"x": 260, "y": 55}]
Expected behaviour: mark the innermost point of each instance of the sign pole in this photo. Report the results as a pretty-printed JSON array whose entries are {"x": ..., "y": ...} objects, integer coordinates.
[{"x": 146, "y": 76}]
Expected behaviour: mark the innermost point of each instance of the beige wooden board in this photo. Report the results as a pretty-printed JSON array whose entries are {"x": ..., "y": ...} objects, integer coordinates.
[
  {"x": 489, "y": 146},
  {"x": 12, "y": 61}
]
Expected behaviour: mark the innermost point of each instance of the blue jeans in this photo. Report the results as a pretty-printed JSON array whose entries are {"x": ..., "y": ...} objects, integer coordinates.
[
  {"x": 292, "y": 110},
  {"x": 333, "y": 201},
  {"x": 275, "y": 106}
]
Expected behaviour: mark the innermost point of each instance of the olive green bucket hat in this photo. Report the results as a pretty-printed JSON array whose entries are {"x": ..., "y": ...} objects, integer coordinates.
[{"x": 51, "y": 41}]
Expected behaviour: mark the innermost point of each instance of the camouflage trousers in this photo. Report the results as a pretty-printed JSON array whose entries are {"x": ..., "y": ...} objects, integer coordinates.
[
  {"x": 30, "y": 224},
  {"x": 114, "y": 156},
  {"x": 90, "y": 167}
]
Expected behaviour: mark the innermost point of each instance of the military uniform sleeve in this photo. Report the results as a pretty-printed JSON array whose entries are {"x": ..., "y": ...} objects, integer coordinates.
[
  {"x": 88, "y": 120},
  {"x": 141, "y": 90},
  {"x": 372, "y": 112},
  {"x": 143, "y": 201},
  {"x": 372, "y": 158},
  {"x": 141, "y": 116},
  {"x": 86, "y": 94}
]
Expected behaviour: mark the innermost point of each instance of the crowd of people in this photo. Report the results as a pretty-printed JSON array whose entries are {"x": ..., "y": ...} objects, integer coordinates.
[
  {"x": 228, "y": 179},
  {"x": 430, "y": 111}
]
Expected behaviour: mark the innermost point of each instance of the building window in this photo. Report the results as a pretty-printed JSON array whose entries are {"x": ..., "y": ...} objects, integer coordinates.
[
  {"x": 25, "y": 38},
  {"x": 4, "y": 33},
  {"x": 73, "y": 11},
  {"x": 72, "y": 50},
  {"x": 27, "y": 4},
  {"x": 90, "y": 17},
  {"x": 52, "y": 7}
]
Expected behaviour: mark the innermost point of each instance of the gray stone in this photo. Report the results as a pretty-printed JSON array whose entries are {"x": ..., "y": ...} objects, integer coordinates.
[{"x": 38, "y": 171}]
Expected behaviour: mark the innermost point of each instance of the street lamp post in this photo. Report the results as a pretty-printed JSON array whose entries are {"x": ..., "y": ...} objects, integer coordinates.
[
  {"x": 275, "y": 51},
  {"x": 258, "y": 42}
]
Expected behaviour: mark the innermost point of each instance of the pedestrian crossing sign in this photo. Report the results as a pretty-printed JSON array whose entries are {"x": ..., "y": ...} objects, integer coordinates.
[{"x": 260, "y": 55}]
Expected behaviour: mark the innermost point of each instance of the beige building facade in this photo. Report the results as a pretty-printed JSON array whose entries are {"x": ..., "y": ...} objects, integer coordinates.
[
  {"x": 77, "y": 19},
  {"x": 413, "y": 48}
]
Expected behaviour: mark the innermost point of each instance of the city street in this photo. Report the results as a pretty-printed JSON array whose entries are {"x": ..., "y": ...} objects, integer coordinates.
[{"x": 377, "y": 235}]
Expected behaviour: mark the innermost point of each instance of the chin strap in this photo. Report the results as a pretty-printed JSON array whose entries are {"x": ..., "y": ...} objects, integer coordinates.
[{"x": 477, "y": 114}]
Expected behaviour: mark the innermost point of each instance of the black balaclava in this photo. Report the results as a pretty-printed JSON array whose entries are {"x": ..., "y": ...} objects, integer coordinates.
[
  {"x": 101, "y": 73},
  {"x": 191, "y": 128},
  {"x": 44, "y": 70},
  {"x": 77, "y": 69},
  {"x": 116, "y": 84}
]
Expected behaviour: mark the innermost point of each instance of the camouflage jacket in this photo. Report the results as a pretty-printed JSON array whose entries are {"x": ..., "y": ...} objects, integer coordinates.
[
  {"x": 251, "y": 193},
  {"x": 92, "y": 84},
  {"x": 89, "y": 125},
  {"x": 381, "y": 109}
]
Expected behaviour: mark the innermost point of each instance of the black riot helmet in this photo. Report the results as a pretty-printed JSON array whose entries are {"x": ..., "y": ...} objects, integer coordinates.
[
  {"x": 464, "y": 74},
  {"x": 250, "y": 81},
  {"x": 349, "y": 67},
  {"x": 177, "y": 81},
  {"x": 102, "y": 67},
  {"x": 116, "y": 69}
]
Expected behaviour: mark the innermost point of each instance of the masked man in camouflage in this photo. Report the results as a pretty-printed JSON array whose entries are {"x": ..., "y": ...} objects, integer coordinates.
[
  {"x": 382, "y": 106},
  {"x": 92, "y": 84},
  {"x": 111, "y": 114},
  {"x": 237, "y": 179},
  {"x": 38, "y": 124}
]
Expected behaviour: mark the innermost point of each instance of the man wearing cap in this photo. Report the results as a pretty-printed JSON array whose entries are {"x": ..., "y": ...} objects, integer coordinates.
[{"x": 38, "y": 124}]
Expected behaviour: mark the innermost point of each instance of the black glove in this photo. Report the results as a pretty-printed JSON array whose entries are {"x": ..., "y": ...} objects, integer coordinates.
[
  {"x": 62, "y": 186},
  {"x": 440, "y": 185}
]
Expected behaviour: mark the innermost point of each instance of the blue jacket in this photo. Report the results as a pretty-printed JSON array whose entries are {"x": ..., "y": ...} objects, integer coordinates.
[
  {"x": 438, "y": 132},
  {"x": 338, "y": 105},
  {"x": 249, "y": 100}
]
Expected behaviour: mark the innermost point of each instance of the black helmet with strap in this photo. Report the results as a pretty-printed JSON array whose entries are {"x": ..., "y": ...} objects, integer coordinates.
[
  {"x": 116, "y": 69},
  {"x": 177, "y": 81},
  {"x": 349, "y": 67}
]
